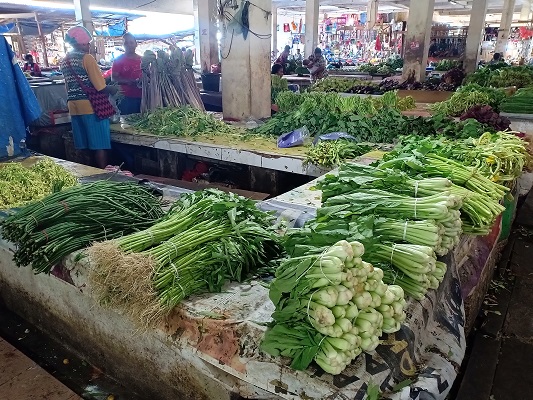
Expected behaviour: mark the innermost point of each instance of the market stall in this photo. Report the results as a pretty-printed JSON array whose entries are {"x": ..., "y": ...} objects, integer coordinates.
[{"x": 209, "y": 347}]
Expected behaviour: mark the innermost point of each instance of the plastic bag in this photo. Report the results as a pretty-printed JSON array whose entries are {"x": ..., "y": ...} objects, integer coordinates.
[
  {"x": 333, "y": 136},
  {"x": 294, "y": 138}
]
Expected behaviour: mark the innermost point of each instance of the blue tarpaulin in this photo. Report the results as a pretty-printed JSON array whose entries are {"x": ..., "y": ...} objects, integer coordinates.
[{"x": 18, "y": 105}]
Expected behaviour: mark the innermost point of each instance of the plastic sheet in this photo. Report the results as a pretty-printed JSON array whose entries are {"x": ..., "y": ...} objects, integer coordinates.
[
  {"x": 19, "y": 106},
  {"x": 51, "y": 98},
  {"x": 294, "y": 138}
]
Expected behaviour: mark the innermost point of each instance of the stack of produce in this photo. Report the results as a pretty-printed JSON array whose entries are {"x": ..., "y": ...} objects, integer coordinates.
[
  {"x": 468, "y": 96},
  {"x": 64, "y": 222},
  {"x": 168, "y": 81},
  {"x": 20, "y": 185},
  {"x": 483, "y": 75},
  {"x": 206, "y": 239},
  {"x": 441, "y": 125},
  {"x": 329, "y": 153},
  {"x": 339, "y": 85},
  {"x": 518, "y": 76},
  {"x": 330, "y": 307},
  {"x": 500, "y": 157},
  {"x": 181, "y": 121},
  {"x": 481, "y": 197},
  {"x": 487, "y": 116},
  {"x": 368, "y": 120},
  {"x": 278, "y": 85},
  {"x": 446, "y": 65},
  {"x": 520, "y": 103}
]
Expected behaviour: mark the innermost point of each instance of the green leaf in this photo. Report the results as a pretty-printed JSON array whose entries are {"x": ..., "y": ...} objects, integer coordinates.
[{"x": 401, "y": 385}]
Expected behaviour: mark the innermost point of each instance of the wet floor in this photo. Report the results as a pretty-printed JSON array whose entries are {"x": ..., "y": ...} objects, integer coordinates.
[{"x": 84, "y": 379}]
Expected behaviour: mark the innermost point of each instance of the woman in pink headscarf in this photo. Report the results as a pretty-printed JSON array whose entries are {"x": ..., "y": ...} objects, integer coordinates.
[{"x": 83, "y": 76}]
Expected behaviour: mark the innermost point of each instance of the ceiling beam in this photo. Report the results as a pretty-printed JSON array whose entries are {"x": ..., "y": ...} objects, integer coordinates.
[{"x": 468, "y": 11}]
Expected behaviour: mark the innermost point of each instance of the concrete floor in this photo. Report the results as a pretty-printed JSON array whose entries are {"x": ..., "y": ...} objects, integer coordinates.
[
  {"x": 23, "y": 379},
  {"x": 499, "y": 365}
]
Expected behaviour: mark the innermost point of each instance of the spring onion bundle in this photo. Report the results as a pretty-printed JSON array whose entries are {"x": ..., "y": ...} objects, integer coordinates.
[
  {"x": 330, "y": 307},
  {"x": 206, "y": 239},
  {"x": 61, "y": 223},
  {"x": 20, "y": 185}
]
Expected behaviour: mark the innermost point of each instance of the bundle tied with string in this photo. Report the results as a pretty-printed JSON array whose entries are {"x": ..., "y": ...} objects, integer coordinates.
[
  {"x": 207, "y": 239},
  {"x": 330, "y": 307}
]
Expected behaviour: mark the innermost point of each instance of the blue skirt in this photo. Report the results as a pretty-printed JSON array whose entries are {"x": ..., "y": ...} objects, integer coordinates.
[{"x": 90, "y": 132}]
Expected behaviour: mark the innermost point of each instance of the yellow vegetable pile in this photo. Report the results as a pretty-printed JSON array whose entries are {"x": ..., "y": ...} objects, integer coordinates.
[{"x": 20, "y": 185}]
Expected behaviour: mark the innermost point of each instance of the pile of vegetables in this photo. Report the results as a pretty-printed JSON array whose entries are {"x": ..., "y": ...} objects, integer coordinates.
[
  {"x": 329, "y": 153},
  {"x": 487, "y": 116},
  {"x": 20, "y": 185},
  {"x": 446, "y": 65},
  {"x": 330, "y": 307},
  {"x": 402, "y": 222},
  {"x": 206, "y": 239},
  {"x": 339, "y": 85},
  {"x": 441, "y": 125},
  {"x": 499, "y": 156},
  {"x": 367, "y": 119},
  {"x": 520, "y": 103},
  {"x": 168, "y": 81},
  {"x": 278, "y": 85},
  {"x": 502, "y": 75},
  {"x": 181, "y": 121},
  {"x": 49, "y": 229},
  {"x": 468, "y": 96}
]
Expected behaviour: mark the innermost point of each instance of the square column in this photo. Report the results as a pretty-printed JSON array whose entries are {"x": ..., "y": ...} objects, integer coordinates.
[
  {"x": 205, "y": 33},
  {"x": 476, "y": 29},
  {"x": 83, "y": 14},
  {"x": 417, "y": 38},
  {"x": 311, "y": 26},
  {"x": 505, "y": 26},
  {"x": 246, "y": 64},
  {"x": 274, "y": 27}
]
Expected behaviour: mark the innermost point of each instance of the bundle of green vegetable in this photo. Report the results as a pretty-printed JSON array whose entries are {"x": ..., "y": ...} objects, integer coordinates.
[
  {"x": 328, "y": 153},
  {"x": 181, "y": 121},
  {"x": 20, "y": 185},
  {"x": 440, "y": 235},
  {"x": 49, "y": 229},
  {"x": 339, "y": 85},
  {"x": 278, "y": 85},
  {"x": 446, "y": 65},
  {"x": 480, "y": 195},
  {"x": 330, "y": 307},
  {"x": 206, "y": 239},
  {"x": 500, "y": 156},
  {"x": 520, "y": 103},
  {"x": 468, "y": 96},
  {"x": 518, "y": 76}
]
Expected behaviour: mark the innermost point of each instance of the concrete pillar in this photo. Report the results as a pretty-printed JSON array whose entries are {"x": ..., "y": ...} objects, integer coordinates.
[
  {"x": 83, "y": 14},
  {"x": 476, "y": 29},
  {"x": 274, "y": 28},
  {"x": 205, "y": 33},
  {"x": 525, "y": 13},
  {"x": 246, "y": 66},
  {"x": 417, "y": 38},
  {"x": 311, "y": 26},
  {"x": 505, "y": 26},
  {"x": 372, "y": 12}
]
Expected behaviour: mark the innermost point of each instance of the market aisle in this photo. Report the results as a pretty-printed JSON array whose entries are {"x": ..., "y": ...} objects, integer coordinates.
[
  {"x": 499, "y": 366},
  {"x": 23, "y": 379}
]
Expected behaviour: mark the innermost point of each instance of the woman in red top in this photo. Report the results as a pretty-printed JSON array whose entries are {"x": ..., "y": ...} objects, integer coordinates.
[
  {"x": 31, "y": 66},
  {"x": 126, "y": 71}
]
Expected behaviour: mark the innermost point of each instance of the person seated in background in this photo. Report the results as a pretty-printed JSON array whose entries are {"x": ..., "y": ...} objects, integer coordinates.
[
  {"x": 126, "y": 71},
  {"x": 277, "y": 69},
  {"x": 283, "y": 58},
  {"x": 496, "y": 58},
  {"x": 31, "y": 66},
  {"x": 316, "y": 64}
]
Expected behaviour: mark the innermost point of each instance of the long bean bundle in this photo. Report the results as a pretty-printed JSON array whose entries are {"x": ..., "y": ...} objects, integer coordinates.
[{"x": 61, "y": 223}]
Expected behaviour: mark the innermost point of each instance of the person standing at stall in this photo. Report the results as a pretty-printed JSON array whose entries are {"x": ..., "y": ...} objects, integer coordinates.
[
  {"x": 31, "y": 66},
  {"x": 126, "y": 71},
  {"x": 283, "y": 58},
  {"x": 316, "y": 64},
  {"x": 88, "y": 96}
]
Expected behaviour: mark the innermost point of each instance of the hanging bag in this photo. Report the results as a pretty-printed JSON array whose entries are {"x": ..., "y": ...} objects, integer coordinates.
[{"x": 102, "y": 107}]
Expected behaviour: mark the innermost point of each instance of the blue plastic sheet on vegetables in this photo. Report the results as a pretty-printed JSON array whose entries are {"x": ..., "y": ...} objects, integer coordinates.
[
  {"x": 19, "y": 108},
  {"x": 333, "y": 136},
  {"x": 294, "y": 138}
]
